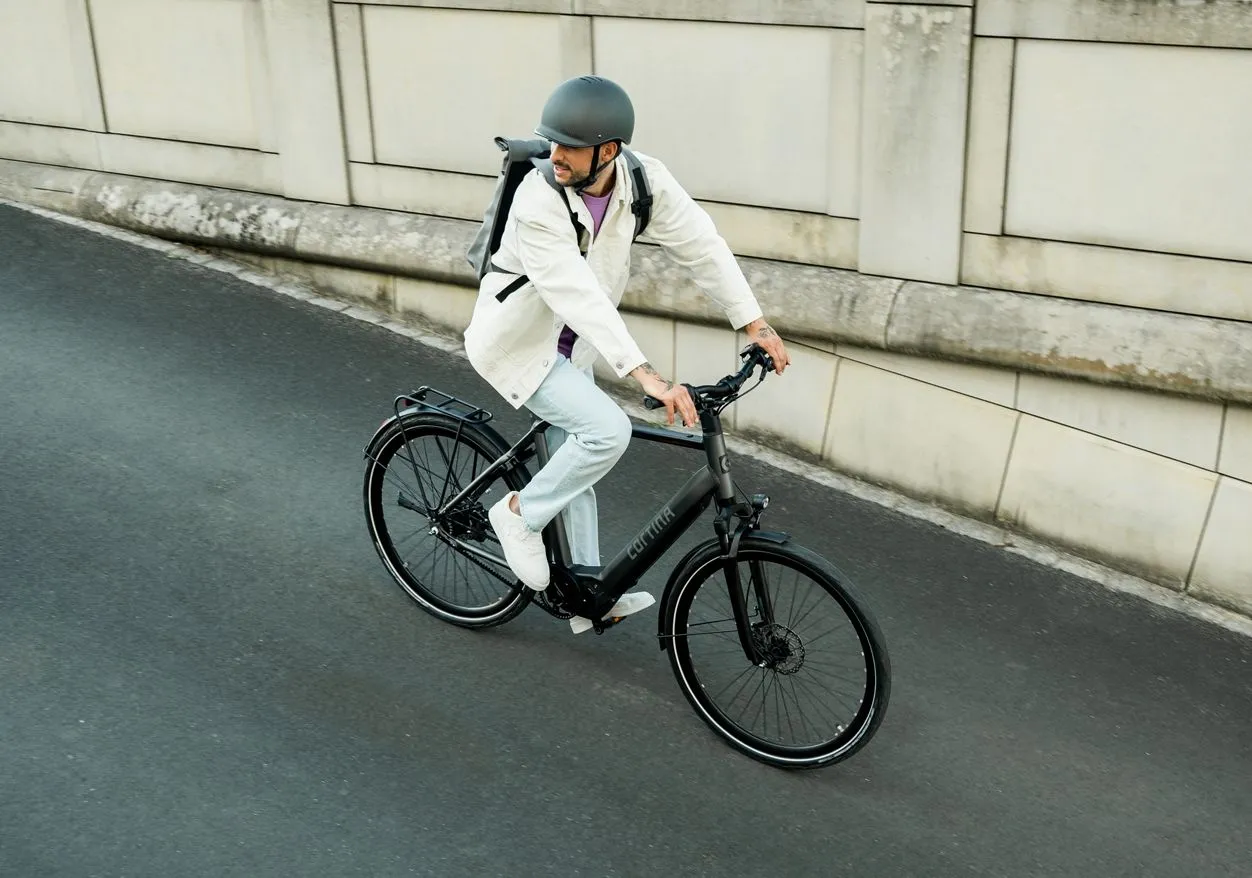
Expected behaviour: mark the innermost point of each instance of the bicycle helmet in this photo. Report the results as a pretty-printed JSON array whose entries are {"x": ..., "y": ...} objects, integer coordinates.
[{"x": 588, "y": 111}]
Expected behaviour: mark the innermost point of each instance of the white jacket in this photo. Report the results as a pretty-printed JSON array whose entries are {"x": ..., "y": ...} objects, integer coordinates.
[{"x": 513, "y": 344}]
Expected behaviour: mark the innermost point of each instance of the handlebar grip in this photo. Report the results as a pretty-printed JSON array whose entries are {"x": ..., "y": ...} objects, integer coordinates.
[{"x": 651, "y": 402}]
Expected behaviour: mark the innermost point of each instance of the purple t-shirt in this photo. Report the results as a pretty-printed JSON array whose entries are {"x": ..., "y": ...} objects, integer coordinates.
[{"x": 598, "y": 205}]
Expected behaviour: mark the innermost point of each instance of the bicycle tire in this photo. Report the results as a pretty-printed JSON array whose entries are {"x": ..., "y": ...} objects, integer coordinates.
[
  {"x": 795, "y": 648},
  {"x": 426, "y": 458}
]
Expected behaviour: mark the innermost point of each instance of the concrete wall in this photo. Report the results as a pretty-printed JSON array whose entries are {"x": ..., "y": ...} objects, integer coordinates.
[{"x": 874, "y": 163}]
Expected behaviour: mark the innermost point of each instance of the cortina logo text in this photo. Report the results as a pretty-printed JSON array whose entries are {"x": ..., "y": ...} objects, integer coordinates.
[{"x": 664, "y": 517}]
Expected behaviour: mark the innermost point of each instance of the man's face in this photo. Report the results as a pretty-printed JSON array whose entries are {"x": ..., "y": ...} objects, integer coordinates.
[{"x": 573, "y": 164}]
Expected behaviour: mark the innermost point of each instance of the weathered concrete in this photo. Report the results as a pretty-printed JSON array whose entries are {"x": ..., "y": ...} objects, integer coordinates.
[
  {"x": 1217, "y": 23},
  {"x": 1109, "y": 344},
  {"x": 1191, "y": 356}
]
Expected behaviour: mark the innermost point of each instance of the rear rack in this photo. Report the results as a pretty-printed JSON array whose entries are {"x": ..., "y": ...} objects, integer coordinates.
[{"x": 443, "y": 403}]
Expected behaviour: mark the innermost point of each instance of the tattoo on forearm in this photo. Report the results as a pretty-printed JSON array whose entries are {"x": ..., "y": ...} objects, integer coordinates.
[{"x": 647, "y": 369}]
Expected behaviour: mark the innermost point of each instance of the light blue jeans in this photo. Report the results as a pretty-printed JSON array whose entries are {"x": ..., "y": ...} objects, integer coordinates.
[{"x": 588, "y": 436}]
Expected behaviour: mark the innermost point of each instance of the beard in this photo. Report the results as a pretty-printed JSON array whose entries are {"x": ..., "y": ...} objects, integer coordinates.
[{"x": 575, "y": 177}]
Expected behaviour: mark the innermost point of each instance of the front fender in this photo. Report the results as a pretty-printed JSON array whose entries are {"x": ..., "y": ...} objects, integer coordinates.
[{"x": 710, "y": 548}]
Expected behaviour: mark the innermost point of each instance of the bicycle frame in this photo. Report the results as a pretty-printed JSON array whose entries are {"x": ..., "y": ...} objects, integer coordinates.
[
  {"x": 601, "y": 587},
  {"x": 663, "y": 529}
]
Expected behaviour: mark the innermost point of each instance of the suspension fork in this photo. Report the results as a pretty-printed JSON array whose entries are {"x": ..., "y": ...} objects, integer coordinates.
[{"x": 739, "y": 597}]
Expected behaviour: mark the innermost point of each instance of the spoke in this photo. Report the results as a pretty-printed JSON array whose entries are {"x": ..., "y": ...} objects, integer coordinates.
[
  {"x": 806, "y": 727},
  {"x": 691, "y": 625},
  {"x": 763, "y": 685},
  {"x": 824, "y": 712},
  {"x": 809, "y": 685},
  {"x": 409, "y": 453},
  {"x": 392, "y": 476},
  {"x": 748, "y": 670},
  {"x": 397, "y": 543},
  {"x": 839, "y": 626},
  {"x": 409, "y": 565},
  {"x": 794, "y": 625}
]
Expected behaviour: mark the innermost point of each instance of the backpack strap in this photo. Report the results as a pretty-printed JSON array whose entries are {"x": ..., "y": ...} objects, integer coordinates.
[
  {"x": 545, "y": 167},
  {"x": 549, "y": 174},
  {"x": 641, "y": 207}
]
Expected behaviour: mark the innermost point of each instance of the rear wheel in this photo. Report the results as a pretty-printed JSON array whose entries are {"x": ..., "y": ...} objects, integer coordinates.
[
  {"x": 450, "y": 564},
  {"x": 822, "y": 688}
]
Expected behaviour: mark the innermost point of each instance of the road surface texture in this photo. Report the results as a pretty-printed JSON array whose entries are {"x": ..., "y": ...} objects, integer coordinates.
[{"x": 206, "y": 671}]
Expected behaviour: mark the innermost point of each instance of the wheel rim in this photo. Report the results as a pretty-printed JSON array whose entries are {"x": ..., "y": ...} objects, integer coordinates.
[
  {"x": 813, "y": 697},
  {"x": 408, "y": 481}
]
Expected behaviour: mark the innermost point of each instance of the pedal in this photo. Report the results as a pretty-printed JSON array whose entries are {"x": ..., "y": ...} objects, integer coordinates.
[{"x": 603, "y": 625}]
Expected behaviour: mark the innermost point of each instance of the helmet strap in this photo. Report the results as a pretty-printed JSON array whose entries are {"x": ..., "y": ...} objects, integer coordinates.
[{"x": 596, "y": 168}]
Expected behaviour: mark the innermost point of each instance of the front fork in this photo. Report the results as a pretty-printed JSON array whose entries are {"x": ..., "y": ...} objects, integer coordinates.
[{"x": 749, "y": 519}]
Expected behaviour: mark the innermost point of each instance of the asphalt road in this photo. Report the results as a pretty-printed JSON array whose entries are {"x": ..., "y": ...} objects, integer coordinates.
[{"x": 205, "y": 671}]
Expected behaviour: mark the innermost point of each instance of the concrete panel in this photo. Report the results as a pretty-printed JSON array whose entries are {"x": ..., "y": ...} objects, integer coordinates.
[
  {"x": 1137, "y": 278},
  {"x": 179, "y": 71},
  {"x": 801, "y": 301},
  {"x": 1180, "y": 22},
  {"x": 913, "y": 148},
  {"x": 994, "y": 385},
  {"x": 821, "y": 13},
  {"x": 1188, "y": 356},
  {"x": 553, "y": 6},
  {"x": 577, "y": 53},
  {"x": 1106, "y": 499},
  {"x": 368, "y": 287},
  {"x": 219, "y": 166},
  {"x": 301, "y": 50},
  {"x": 426, "y": 119},
  {"x": 54, "y": 188},
  {"x": 747, "y": 133},
  {"x": 795, "y": 407},
  {"x": 438, "y": 193},
  {"x": 843, "y": 190},
  {"x": 353, "y": 83},
  {"x": 703, "y": 355},
  {"x": 1184, "y": 429},
  {"x": 47, "y": 70},
  {"x": 926, "y": 440},
  {"x": 1236, "y": 459},
  {"x": 990, "y": 99},
  {"x": 446, "y": 306},
  {"x": 1223, "y": 569},
  {"x": 810, "y": 238},
  {"x": 1132, "y": 146},
  {"x": 53, "y": 146}
]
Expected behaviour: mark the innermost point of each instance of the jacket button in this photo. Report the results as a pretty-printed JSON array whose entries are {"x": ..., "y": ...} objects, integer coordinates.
[
  {"x": 619, "y": 364},
  {"x": 545, "y": 362},
  {"x": 515, "y": 396}
]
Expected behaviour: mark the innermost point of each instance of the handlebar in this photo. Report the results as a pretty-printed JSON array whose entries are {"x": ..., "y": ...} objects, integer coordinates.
[{"x": 726, "y": 390}]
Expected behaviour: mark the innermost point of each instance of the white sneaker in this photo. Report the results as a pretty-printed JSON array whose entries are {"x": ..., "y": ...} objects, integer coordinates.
[
  {"x": 626, "y": 604},
  {"x": 523, "y": 548}
]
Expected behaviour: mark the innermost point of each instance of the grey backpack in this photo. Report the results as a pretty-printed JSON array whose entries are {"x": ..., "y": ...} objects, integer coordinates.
[{"x": 520, "y": 158}]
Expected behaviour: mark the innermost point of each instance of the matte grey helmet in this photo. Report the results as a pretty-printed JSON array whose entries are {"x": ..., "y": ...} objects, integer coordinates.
[{"x": 587, "y": 111}]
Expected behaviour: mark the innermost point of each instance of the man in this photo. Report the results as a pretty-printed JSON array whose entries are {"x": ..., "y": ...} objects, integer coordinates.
[{"x": 536, "y": 344}]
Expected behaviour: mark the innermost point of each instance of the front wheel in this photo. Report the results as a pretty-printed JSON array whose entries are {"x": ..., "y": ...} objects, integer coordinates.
[{"x": 820, "y": 689}]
